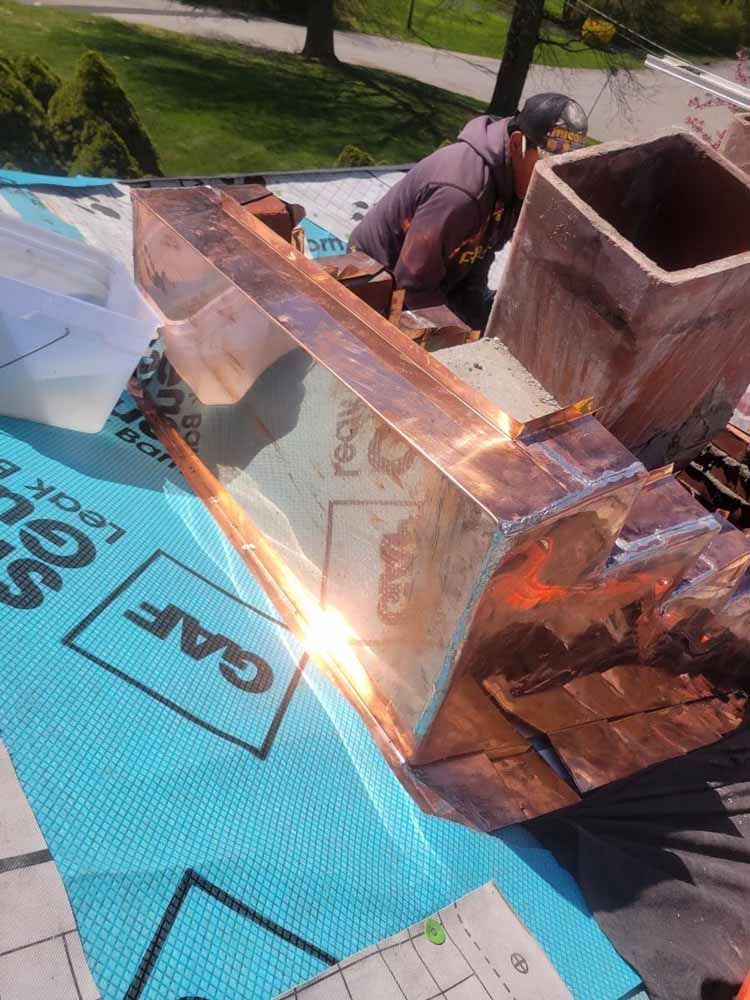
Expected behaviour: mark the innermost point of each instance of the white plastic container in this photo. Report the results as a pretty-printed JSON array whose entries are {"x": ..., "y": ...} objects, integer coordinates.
[
  {"x": 223, "y": 348},
  {"x": 73, "y": 326}
]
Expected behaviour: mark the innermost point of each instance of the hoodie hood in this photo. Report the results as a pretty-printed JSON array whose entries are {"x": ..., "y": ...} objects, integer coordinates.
[{"x": 488, "y": 137}]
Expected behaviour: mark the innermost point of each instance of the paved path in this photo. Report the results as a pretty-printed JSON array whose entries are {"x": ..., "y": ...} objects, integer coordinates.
[{"x": 654, "y": 101}]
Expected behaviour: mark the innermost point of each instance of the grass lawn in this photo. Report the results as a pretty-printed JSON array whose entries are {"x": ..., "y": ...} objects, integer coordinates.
[
  {"x": 219, "y": 106},
  {"x": 473, "y": 26}
]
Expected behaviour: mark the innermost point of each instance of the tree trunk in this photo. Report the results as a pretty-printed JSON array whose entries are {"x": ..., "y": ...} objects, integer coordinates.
[
  {"x": 319, "y": 38},
  {"x": 523, "y": 35}
]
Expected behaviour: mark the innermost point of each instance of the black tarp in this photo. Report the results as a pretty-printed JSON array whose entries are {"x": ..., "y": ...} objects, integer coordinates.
[{"x": 663, "y": 859}]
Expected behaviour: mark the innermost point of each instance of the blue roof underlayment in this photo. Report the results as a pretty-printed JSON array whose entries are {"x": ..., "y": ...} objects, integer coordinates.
[{"x": 215, "y": 843}]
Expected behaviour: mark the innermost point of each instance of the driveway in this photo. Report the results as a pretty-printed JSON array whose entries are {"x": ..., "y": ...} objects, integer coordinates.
[{"x": 639, "y": 105}]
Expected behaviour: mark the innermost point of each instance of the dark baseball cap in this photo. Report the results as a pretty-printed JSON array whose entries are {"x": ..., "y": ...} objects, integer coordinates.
[{"x": 553, "y": 122}]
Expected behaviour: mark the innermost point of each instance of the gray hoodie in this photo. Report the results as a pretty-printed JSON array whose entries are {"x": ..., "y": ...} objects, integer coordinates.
[{"x": 449, "y": 213}]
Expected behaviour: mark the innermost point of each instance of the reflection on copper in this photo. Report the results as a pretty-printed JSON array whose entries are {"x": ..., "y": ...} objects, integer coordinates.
[
  {"x": 458, "y": 575},
  {"x": 698, "y": 685},
  {"x": 601, "y": 752},
  {"x": 592, "y": 623},
  {"x": 645, "y": 688},
  {"x": 495, "y": 793},
  {"x": 724, "y": 714},
  {"x": 471, "y": 785},
  {"x": 547, "y": 711},
  {"x": 649, "y": 743},
  {"x": 634, "y": 687},
  {"x": 324, "y": 633},
  {"x": 687, "y": 726},
  {"x": 435, "y": 327},
  {"x": 469, "y": 721},
  {"x": 580, "y": 409},
  {"x": 688, "y": 630},
  {"x": 603, "y": 700},
  {"x": 534, "y": 785},
  {"x": 596, "y": 754}
]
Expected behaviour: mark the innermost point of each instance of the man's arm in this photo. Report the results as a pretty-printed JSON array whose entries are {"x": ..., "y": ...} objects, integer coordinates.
[{"x": 440, "y": 224}]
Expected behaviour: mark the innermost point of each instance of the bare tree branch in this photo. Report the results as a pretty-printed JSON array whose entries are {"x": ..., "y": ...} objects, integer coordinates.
[{"x": 571, "y": 45}]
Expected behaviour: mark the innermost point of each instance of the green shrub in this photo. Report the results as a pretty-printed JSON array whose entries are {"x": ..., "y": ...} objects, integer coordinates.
[
  {"x": 707, "y": 27},
  {"x": 703, "y": 27},
  {"x": 353, "y": 156},
  {"x": 94, "y": 95},
  {"x": 38, "y": 77},
  {"x": 26, "y": 139},
  {"x": 102, "y": 153}
]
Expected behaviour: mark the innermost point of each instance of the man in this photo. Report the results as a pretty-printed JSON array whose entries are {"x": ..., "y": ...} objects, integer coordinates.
[{"x": 438, "y": 229}]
